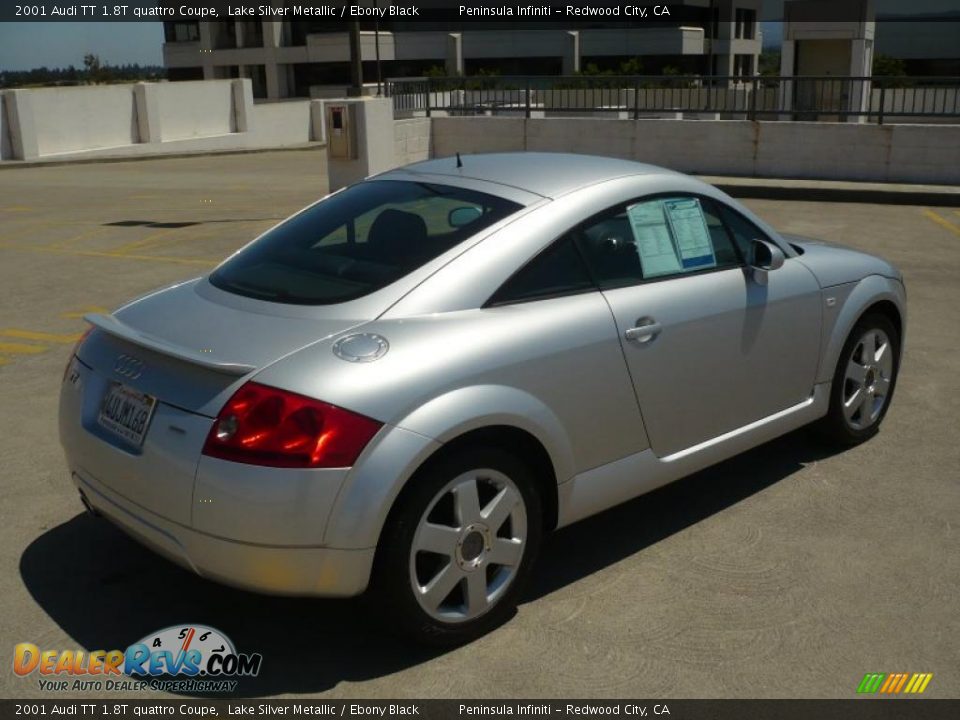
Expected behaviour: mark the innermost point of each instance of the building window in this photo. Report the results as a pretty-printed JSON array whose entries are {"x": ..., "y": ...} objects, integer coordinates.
[
  {"x": 746, "y": 21},
  {"x": 181, "y": 31},
  {"x": 743, "y": 65}
]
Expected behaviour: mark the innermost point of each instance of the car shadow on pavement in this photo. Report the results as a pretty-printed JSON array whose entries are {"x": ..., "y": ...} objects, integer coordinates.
[
  {"x": 107, "y": 592},
  {"x": 578, "y": 550}
]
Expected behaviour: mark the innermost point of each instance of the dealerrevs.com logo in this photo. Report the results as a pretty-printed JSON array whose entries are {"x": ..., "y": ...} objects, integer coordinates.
[{"x": 180, "y": 658}]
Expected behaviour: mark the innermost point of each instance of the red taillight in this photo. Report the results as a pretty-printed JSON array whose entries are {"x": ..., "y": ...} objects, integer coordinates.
[
  {"x": 73, "y": 352},
  {"x": 261, "y": 425}
]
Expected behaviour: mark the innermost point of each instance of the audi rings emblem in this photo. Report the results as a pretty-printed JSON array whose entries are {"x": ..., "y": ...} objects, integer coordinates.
[{"x": 128, "y": 366}]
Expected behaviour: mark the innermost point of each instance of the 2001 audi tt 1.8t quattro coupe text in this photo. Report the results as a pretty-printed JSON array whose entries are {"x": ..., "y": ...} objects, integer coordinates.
[{"x": 405, "y": 385}]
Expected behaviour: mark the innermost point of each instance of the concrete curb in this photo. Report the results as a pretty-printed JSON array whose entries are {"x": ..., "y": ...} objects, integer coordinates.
[
  {"x": 948, "y": 197},
  {"x": 57, "y": 162},
  {"x": 738, "y": 187}
]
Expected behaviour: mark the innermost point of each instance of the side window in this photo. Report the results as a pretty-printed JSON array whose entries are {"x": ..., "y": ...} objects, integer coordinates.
[
  {"x": 723, "y": 245},
  {"x": 558, "y": 270},
  {"x": 655, "y": 238},
  {"x": 744, "y": 232}
]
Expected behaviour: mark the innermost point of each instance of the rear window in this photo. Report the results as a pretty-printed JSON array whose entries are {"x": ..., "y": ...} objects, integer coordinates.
[{"x": 358, "y": 241}]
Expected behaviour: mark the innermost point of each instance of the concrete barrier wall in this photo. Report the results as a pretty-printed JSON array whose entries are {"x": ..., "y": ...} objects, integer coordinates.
[
  {"x": 69, "y": 119},
  {"x": 280, "y": 124},
  {"x": 411, "y": 140},
  {"x": 815, "y": 150},
  {"x": 6, "y": 152},
  {"x": 192, "y": 109},
  {"x": 147, "y": 118}
]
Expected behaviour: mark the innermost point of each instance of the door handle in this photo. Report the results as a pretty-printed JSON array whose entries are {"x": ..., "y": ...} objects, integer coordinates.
[{"x": 644, "y": 332}]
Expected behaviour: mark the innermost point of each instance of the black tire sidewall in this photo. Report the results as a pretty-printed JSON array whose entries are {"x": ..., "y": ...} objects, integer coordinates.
[{"x": 390, "y": 591}]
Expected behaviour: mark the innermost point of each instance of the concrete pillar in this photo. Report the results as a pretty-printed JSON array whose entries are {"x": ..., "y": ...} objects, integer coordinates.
[
  {"x": 206, "y": 50},
  {"x": 373, "y": 118},
  {"x": 276, "y": 74},
  {"x": 861, "y": 65},
  {"x": 148, "y": 112},
  {"x": 318, "y": 125},
  {"x": 787, "y": 68},
  {"x": 571, "y": 53},
  {"x": 454, "y": 60},
  {"x": 276, "y": 80},
  {"x": 242, "y": 92},
  {"x": 22, "y": 130}
]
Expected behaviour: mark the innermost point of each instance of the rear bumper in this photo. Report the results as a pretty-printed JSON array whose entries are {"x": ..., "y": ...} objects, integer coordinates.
[{"x": 312, "y": 571}]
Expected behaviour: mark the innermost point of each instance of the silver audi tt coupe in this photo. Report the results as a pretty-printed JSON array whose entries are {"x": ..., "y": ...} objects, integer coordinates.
[{"x": 402, "y": 387}]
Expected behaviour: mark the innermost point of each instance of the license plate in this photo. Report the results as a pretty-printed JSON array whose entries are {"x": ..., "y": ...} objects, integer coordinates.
[{"x": 126, "y": 412}]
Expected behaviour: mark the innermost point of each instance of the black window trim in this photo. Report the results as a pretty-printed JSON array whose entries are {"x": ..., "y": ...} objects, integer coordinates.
[
  {"x": 492, "y": 301},
  {"x": 674, "y": 276},
  {"x": 574, "y": 234}
]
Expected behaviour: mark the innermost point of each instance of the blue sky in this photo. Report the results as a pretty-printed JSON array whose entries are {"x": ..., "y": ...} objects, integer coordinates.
[{"x": 25, "y": 45}]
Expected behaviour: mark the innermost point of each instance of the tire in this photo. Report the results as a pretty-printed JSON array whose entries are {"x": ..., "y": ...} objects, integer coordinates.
[
  {"x": 440, "y": 535},
  {"x": 854, "y": 418}
]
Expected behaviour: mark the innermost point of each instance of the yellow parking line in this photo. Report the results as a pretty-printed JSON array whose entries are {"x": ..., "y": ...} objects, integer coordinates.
[
  {"x": 82, "y": 236},
  {"x": 148, "y": 240},
  {"x": 21, "y": 349},
  {"x": 4, "y": 361},
  {"x": 931, "y": 215},
  {"x": 73, "y": 315},
  {"x": 204, "y": 262},
  {"x": 42, "y": 336}
]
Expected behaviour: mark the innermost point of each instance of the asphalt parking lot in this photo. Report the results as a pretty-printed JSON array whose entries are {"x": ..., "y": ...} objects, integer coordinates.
[{"x": 789, "y": 571}]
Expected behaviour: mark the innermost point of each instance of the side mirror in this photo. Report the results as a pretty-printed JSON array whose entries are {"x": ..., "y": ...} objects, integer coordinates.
[
  {"x": 463, "y": 216},
  {"x": 766, "y": 258}
]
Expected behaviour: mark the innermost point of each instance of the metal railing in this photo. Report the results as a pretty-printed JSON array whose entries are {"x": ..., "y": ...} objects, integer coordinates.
[{"x": 824, "y": 98}]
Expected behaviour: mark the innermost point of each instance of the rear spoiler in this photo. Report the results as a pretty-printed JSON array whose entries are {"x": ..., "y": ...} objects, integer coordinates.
[{"x": 112, "y": 326}]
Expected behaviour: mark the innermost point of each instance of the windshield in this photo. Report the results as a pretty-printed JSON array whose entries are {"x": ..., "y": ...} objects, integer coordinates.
[{"x": 358, "y": 241}]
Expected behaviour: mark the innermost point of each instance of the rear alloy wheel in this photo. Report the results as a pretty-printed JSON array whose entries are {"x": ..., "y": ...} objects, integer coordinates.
[
  {"x": 458, "y": 546},
  {"x": 864, "y": 381}
]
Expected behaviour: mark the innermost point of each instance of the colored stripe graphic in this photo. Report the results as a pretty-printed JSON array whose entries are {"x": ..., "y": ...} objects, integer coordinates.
[
  {"x": 894, "y": 683},
  {"x": 871, "y": 682},
  {"x": 903, "y": 679}
]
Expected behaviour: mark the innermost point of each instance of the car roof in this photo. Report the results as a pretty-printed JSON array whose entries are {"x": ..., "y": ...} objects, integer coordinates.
[{"x": 545, "y": 174}]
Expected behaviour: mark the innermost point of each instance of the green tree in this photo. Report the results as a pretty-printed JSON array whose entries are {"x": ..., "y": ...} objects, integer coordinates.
[
  {"x": 769, "y": 63},
  {"x": 889, "y": 71},
  {"x": 886, "y": 66}
]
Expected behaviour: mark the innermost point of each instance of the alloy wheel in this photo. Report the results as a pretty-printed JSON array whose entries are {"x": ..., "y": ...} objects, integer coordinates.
[
  {"x": 468, "y": 546},
  {"x": 867, "y": 379}
]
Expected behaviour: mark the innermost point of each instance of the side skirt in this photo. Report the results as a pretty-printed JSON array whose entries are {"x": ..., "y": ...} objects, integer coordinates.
[{"x": 603, "y": 487}]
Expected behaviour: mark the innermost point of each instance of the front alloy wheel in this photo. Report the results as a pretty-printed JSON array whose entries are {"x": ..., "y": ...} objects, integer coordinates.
[
  {"x": 868, "y": 378},
  {"x": 458, "y": 546},
  {"x": 863, "y": 382}
]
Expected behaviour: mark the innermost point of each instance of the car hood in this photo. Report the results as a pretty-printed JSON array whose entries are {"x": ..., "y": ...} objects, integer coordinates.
[{"x": 835, "y": 264}]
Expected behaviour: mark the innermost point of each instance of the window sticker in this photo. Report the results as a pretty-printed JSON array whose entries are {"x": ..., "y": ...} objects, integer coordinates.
[
  {"x": 658, "y": 256},
  {"x": 691, "y": 233}
]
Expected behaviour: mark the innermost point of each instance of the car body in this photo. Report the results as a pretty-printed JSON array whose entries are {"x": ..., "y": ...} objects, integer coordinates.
[{"x": 597, "y": 327}]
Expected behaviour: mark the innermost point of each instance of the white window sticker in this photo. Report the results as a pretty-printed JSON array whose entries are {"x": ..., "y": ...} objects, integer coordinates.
[
  {"x": 658, "y": 256},
  {"x": 691, "y": 233}
]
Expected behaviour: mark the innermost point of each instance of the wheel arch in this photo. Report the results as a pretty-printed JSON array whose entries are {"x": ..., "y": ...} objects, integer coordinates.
[
  {"x": 516, "y": 440},
  {"x": 872, "y": 294},
  {"x": 507, "y": 416}
]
